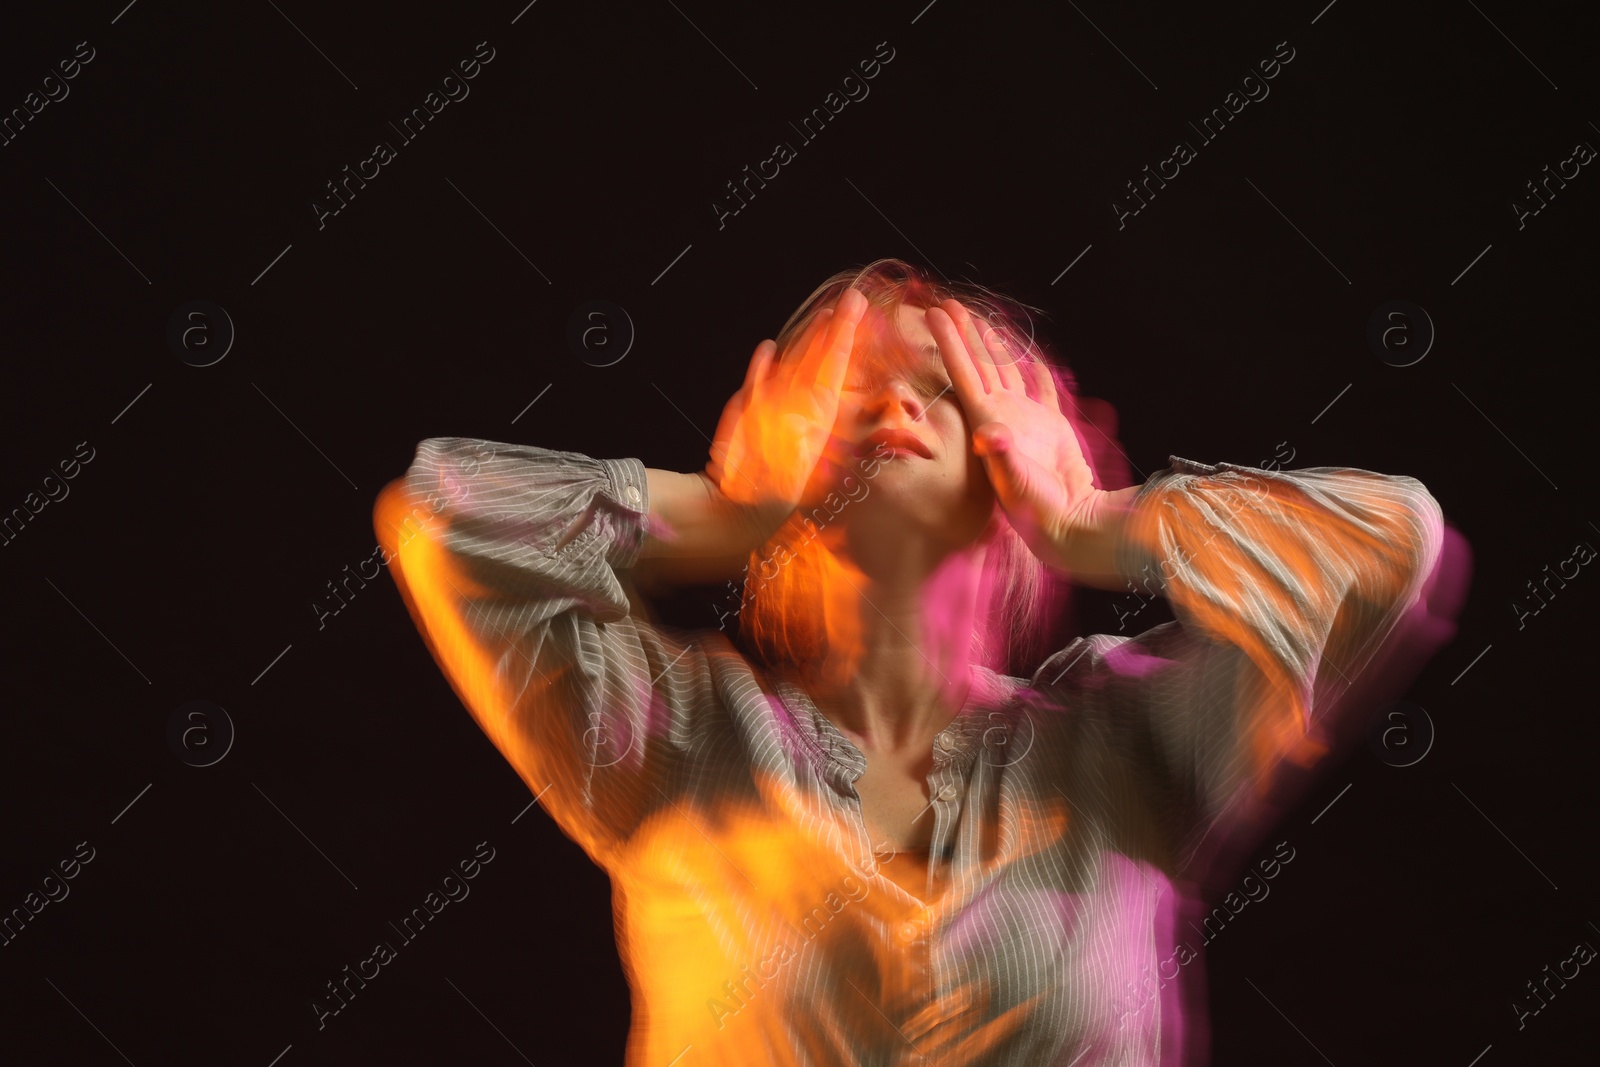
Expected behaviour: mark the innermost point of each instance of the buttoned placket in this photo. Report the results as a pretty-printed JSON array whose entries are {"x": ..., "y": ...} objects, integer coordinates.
[
  {"x": 946, "y": 787},
  {"x": 842, "y": 763}
]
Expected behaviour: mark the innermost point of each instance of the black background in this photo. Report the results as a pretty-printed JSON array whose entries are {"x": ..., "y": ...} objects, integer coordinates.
[{"x": 1219, "y": 321}]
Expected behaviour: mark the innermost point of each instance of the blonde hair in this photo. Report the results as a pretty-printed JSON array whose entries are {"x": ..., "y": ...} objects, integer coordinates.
[{"x": 780, "y": 617}]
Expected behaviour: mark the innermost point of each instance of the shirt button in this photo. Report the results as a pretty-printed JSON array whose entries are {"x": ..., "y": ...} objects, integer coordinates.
[
  {"x": 947, "y": 793},
  {"x": 945, "y": 744},
  {"x": 908, "y": 931},
  {"x": 632, "y": 494}
]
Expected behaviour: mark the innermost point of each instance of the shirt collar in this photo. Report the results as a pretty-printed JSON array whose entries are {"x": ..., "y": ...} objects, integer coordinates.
[{"x": 839, "y": 758}]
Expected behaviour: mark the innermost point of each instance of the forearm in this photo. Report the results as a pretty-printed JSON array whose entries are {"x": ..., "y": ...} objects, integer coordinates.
[
  {"x": 1088, "y": 552},
  {"x": 690, "y": 518}
]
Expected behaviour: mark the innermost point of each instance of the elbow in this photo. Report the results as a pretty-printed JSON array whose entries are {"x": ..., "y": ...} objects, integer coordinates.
[
  {"x": 1400, "y": 542},
  {"x": 437, "y": 460},
  {"x": 1425, "y": 536},
  {"x": 1437, "y": 589},
  {"x": 1425, "y": 569},
  {"x": 410, "y": 503},
  {"x": 443, "y": 471}
]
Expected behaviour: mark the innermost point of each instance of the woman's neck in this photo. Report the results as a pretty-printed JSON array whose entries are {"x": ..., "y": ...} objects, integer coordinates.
[{"x": 897, "y": 663}]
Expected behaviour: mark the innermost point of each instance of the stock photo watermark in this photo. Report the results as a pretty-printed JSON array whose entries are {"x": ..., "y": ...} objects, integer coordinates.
[
  {"x": 1400, "y": 333},
  {"x": 1582, "y": 553},
  {"x": 1139, "y": 994},
  {"x": 1402, "y": 735},
  {"x": 384, "y": 953},
  {"x": 1184, "y": 153},
  {"x": 814, "y": 523},
  {"x": 54, "y": 88},
  {"x": 14, "y": 922},
  {"x": 1582, "y": 953},
  {"x": 1582, "y": 153},
  {"x": 410, "y": 128},
  {"x": 380, "y": 557},
  {"x": 738, "y": 991},
  {"x": 200, "y": 333},
  {"x": 600, "y": 332},
  {"x": 200, "y": 733},
  {"x": 1125, "y": 610},
  {"x": 1009, "y": 735},
  {"x": 13, "y": 524},
  {"x": 783, "y": 153}
]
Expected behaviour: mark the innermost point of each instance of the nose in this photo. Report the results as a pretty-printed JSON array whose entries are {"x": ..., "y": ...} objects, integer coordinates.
[{"x": 895, "y": 393}]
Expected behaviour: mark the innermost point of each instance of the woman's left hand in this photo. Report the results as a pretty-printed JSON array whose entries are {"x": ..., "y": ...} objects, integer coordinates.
[{"x": 1029, "y": 448}]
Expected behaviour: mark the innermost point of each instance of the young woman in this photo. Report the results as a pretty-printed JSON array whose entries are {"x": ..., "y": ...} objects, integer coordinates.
[{"x": 851, "y": 835}]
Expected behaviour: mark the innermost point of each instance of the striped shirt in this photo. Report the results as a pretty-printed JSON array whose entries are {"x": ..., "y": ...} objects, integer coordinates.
[{"x": 752, "y": 918}]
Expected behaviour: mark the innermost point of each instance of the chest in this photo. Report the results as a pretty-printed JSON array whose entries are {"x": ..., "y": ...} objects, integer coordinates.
[
  {"x": 899, "y": 819},
  {"x": 895, "y": 803}
]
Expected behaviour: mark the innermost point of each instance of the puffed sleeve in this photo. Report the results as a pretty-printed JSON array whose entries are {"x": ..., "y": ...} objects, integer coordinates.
[
  {"x": 1283, "y": 586},
  {"x": 509, "y": 558}
]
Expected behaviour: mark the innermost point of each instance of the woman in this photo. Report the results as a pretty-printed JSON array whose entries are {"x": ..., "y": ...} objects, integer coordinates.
[{"x": 853, "y": 837}]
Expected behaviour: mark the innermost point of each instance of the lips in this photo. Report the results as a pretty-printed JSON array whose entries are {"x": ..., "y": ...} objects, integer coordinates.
[{"x": 894, "y": 439}]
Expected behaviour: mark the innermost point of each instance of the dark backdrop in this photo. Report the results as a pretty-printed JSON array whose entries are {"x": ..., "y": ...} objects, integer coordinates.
[{"x": 210, "y": 507}]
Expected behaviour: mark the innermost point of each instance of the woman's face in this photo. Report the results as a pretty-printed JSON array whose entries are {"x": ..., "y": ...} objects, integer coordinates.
[{"x": 897, "y": 394}]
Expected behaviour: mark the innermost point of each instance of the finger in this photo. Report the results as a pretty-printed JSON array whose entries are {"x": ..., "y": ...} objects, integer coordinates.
[
  {"x": 829, "y": 359},
  {"x": 964, "y": 376},
  {"x": 732, "y": 412},
  {"x": 1043, "y": 384},
  {"x": 797, "y": 348},
  {"x": 1005, "y": 358},
  {"x": 988, "y": 344},
  {"x": 785, "y": 366},
  {"x": 760, "y": 364},
  {"x": 961, "y": 322},
  {"x": 1030, "y": 381}
]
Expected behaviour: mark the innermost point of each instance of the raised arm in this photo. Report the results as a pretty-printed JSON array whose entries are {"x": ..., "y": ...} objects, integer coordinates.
[
  {"x": 1284, "y": 585},
  {"x": 512, "y": 560}
]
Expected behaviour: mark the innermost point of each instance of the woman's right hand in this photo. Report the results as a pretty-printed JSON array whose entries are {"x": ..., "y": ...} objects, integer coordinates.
[
  {"x": 774, "y": 430},
  {"x": 767, "y": 444}
]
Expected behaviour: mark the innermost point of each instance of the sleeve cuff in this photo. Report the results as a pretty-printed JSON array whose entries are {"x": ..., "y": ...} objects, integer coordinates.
[{"x": 629, "y": 488}]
